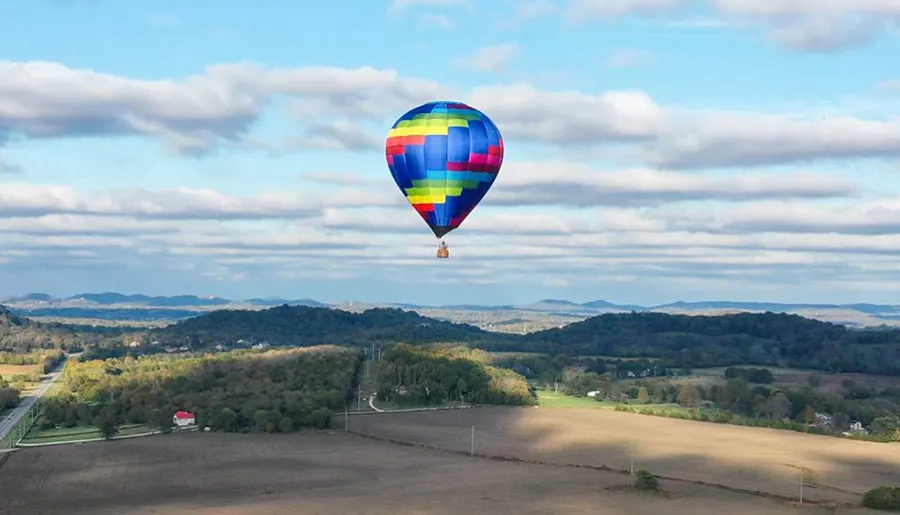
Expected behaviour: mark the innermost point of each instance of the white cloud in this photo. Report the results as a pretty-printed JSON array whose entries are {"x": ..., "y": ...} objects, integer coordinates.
[
  {"x": 571, "y": 184},
  {"x": 337, "y": 108},
  {"x": 527, "y": 10},
  {"x": 439, "y": 20},
  {"x": 26, "y": 199},
  {"x": 398, "y": 6},
  {"x": 735, "y": 241},
  {"x": 45, "y": 100},
  {"x": 570, "y": 117},
  {"x": 803, "y": 25},
  {"x": 492, "y": 58},
  {"x": 629, "y": 58},
  {"x": 339, "y": 135},
  {"x": 731, "y": 139}
]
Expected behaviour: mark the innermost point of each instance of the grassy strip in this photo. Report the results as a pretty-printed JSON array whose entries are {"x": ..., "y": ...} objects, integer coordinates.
[{"x": 67, "y": 434}]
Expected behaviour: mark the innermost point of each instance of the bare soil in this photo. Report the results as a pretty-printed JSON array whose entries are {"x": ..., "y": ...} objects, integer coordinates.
[
  {"x": 752, "y": 459},
  {"x": 14, "y": 370},
  {"x": 231, "y": 474}
]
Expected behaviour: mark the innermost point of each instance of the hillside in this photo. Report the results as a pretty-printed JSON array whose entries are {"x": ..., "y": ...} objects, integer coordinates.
[
  {"x": 697, "y": 341},
  {"x": 678, "y": 340},
  {"x": 302, "y": 326},
  {"x": 19, "y": 335}
]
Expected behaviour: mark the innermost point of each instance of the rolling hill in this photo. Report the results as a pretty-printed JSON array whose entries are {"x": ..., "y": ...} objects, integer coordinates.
[
  {"x": 684, "y": 341},
  {"x": 527, "y": 317}
]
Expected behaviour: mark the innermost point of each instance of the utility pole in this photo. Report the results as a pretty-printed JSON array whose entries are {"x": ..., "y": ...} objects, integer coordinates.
[
  {"x": 358, "y": 396},
  {"x": 472, "y": 444},
  {"x": 346, "y": 418}
]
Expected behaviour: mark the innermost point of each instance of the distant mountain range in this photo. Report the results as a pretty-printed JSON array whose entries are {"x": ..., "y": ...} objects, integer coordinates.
[
  {"x": 118, "y": 306},
  {"x": 175, "y": 301}
]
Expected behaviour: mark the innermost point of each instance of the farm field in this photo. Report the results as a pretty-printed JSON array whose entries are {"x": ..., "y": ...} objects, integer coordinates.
[
  {"x": 232, "y": 474},
  {"x": 745, "y": 458},
  {"x": 8, "y": 371},
  {"x": 550, "y": 399}
]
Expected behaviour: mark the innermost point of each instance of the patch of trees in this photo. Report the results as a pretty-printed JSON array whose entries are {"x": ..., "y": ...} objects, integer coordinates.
[
  {"x": 684, "y": 341},
  {"x": 752, "y": 375},
  {"x": 9, "y": 396},
  {"x": 882, "y": 498},
  {"x": 240, "y": 391},
  {"x": 437, "y": 374},
  {"x": 302, "y": 326}
]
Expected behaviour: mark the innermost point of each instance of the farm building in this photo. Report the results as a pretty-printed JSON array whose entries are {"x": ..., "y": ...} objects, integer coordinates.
[{"x": 184, "y": 419}]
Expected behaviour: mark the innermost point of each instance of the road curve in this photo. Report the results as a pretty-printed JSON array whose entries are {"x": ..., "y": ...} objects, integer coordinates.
[
  {"x": 13, "y": 418},
  {"x": 371, "y": 404}
]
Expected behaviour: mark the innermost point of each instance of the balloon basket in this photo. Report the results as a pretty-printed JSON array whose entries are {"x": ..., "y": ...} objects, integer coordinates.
[{"x": 443, "y": 253}]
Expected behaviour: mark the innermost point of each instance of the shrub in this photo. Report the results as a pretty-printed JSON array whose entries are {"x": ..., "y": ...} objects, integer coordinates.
[
  {"x": 645, "y": 481},
  {"x": 883, "y": 498}
]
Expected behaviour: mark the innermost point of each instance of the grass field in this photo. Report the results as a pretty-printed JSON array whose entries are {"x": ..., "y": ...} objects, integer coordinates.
[
  {"x": 738, "y": 457},
  {"x": 78, "y": 433},
  {"x": 549, "y": 399},
  {"x": 230, "y": 474}
]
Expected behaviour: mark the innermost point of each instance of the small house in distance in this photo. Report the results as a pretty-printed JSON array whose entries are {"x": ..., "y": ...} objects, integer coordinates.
[{"x": 184, "y": 419}]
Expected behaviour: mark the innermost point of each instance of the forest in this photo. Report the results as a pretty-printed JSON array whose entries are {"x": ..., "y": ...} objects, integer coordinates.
[
  {"x": 434, "y": 374},
  {"x": 20, "y": 335},
  {"x": 302, "y": 326},
  {"x": 673, "y": 341},
  {"x": 272, "y": 391}
]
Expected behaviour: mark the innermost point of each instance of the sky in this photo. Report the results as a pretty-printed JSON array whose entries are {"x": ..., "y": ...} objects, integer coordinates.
[{"x": 655, "y": 150}]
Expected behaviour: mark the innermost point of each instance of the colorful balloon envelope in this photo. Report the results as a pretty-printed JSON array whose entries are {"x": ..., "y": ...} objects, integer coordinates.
[{"x": 444, "y": 157}]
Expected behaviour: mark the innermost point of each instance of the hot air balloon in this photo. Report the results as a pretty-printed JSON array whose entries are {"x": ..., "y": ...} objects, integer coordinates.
[{"x": 444, "y": 157}]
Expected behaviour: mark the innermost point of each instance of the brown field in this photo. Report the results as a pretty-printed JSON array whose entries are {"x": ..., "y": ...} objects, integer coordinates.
[
  {"x": 231, "y": 474},
  {"x": 753, "y": 459},
  {"x": 7, "y": 371}
]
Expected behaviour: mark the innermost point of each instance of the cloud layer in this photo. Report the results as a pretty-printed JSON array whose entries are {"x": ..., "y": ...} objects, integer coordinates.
[{"x": 628, "y": 189}]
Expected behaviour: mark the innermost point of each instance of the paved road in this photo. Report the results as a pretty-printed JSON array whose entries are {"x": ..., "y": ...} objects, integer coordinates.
[
  {"x": 19, "y": 411},
  {"x": 371, "y": 405}
]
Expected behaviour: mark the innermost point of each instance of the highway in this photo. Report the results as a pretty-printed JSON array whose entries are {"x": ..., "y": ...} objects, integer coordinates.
[{"x": 13, "y": 418}]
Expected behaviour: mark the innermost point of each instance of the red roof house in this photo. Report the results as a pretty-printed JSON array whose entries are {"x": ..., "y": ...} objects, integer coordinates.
[{"x": 184, "y": 418}]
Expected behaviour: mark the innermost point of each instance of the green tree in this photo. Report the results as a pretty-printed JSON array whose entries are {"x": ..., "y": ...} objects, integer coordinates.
[
  {"x": 809, "y": 415},
  {"x": 645, "y": 481},
  {"x": 107, "y": 423},
  {"x": 643, "y": 396},
  {"x": 688, "y": 395}
]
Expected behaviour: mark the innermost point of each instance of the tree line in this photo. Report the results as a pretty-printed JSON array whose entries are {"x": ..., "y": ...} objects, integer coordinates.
[
  {"x": 674, "y": 342},
  {"x": 437, "y": 374},
  {"x": 746, "y": 397}
]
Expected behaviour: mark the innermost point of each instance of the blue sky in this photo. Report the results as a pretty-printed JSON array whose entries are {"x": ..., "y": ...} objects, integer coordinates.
[{"x": 656, "y": 150}]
